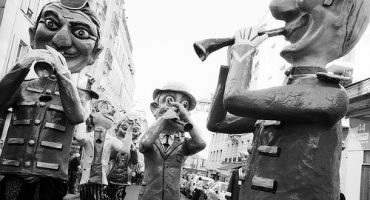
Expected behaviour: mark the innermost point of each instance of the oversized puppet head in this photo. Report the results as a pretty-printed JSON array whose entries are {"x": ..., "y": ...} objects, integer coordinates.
[
  {"x": 320, "y": 31},
  {"x": 171, "y": 92},
  {"x": 130, "y": 121},
  {"x": 72, "y": 28}
]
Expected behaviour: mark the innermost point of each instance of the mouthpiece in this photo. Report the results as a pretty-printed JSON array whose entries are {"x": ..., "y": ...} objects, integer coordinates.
[{"x": 273, "y": 32}]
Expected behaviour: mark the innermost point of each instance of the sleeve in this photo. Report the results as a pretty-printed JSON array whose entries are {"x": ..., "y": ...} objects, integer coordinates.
[{"x": 10, "y": 86}]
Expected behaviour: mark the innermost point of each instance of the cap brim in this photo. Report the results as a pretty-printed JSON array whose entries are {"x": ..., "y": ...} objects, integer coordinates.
[
  {"x": 92, "y": 94},
  {"x": 193, "y": 101}
]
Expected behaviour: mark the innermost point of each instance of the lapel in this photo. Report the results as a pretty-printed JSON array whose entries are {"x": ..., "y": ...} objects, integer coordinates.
[
  {"x": 160, "y": 147},
  {"x": 166, "y": 153},
  {"x": 176, "y": 142}
]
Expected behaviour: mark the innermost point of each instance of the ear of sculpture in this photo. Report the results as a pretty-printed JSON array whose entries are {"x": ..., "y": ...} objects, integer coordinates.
[{"x": 96, "y": 52}]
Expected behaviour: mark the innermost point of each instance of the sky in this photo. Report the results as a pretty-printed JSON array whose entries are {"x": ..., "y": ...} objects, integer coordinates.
[{"x": 163, "y": 33}]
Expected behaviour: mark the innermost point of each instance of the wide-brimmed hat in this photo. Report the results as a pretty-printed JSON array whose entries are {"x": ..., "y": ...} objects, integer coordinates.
[
  {"x": 177, "y": 87},
  {"x": 84, "y": 82}
]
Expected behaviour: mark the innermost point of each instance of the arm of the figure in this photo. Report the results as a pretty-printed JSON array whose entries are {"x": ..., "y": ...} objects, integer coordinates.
[
  {"x": 196, "y": 142},
  {"x": 149, "y": 137},
  {"x": 70, "y": 99},
  {"x": 318, "y": 102},
  {"x": 219, "y": 120},
  {"x": 10, "y": 84},
  {"x": 124, "y": 145},
  {"x": 80, "y": 134}
]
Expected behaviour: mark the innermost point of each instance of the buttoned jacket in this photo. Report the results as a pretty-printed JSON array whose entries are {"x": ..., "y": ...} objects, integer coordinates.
[
  {"x": 87, "y": 143},
  {"x": 41, "y": 128},
  {"x": 163, "y": 169}
]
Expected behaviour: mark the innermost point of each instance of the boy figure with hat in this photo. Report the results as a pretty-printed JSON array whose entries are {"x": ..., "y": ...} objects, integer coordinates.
[
  {"x": 119, "y": 176},
  {"x": 65, "y": 39},
  {"x": 163, "y": 146},
  {"x": 97, "y": 145}
]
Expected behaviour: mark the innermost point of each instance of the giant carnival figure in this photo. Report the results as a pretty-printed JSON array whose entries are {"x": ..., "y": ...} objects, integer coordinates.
[
  {"x": 98, "y": 144},
  {"x": 163, "y": 145},
  {"x": 120, "y": 175},
  {"x": 297, "y": 127},
  {"x": 64, "y": 40}
]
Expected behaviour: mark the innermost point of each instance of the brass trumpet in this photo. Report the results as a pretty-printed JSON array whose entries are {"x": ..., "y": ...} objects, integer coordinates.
[
  {"x": 205, "y": 47},
  {"x": 42, "y": 68}
]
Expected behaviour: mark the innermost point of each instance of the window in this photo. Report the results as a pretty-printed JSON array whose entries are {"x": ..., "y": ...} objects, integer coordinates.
[
  {"x": 22, "y": 50},
  {"x": 29, "y": 8}
]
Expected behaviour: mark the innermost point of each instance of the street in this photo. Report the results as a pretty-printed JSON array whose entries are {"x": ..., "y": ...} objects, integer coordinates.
[{"x": 132, "y": 194}]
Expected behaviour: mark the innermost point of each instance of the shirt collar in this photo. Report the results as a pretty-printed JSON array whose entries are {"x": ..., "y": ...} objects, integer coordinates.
[{"x": 162, "y": 136}]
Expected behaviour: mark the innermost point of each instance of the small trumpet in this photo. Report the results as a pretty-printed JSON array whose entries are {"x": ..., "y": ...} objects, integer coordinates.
[
  {"x": 205, "y": 47},
  {"x": 186, "y": 126}
]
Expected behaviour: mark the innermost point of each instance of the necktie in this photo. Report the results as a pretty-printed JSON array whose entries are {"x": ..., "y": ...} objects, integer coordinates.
[{"x": 166, "y": 144}]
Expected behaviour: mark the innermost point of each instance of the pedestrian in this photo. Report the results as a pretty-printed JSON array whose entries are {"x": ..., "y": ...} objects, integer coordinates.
[
  {"x": 198, "y": 189},
  {"x": 236, "y": 179},
  {"x": 97, "y": 147},
  {"x": 73, "y": 168},
  {"x": 46, "y": 109},
  {"x": 163, "y": 145}
]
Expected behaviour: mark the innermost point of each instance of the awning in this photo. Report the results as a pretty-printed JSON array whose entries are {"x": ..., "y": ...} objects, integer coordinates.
[{"x": 230, "y": 166}]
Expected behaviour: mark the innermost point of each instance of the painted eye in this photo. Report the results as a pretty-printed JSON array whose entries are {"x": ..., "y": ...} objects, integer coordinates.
[
  {"x": 81, "y": 34},
  {"x": 185, "y": 104},
  {"x": 51, "y": 25},
  {"x": 169, "y": 99},
  {"x": 124, "y": 127}
]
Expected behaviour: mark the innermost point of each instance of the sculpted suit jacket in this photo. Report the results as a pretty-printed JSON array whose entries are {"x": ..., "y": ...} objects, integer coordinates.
[
  {"x": 41, "y": 130},
  {"x": 163, "y": 170}
]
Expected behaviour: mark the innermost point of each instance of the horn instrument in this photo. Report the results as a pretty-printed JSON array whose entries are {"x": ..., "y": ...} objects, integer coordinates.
[{"x": 205, "y": 47}]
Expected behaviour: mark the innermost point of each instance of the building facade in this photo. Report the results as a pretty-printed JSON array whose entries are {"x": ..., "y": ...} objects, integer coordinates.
[{"x": 114, "y": 70}]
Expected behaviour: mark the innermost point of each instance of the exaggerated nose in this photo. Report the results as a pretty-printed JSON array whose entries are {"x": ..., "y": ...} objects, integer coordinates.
[
  {"x": 285, "y": 10},
  {"x": 62, "y": 38}
]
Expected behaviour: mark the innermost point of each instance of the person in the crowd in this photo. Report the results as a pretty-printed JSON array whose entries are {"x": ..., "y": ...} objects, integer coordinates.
[
  {"x": 46, "y": 109},
  {"x": 73, "y": 168},
  {"x": 198, "y": 189},
  {"x": 236, "y": 179},
  {"x": 163, "y": 145}
]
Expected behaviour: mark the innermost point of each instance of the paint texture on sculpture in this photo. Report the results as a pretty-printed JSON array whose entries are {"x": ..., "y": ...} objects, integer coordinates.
[{"x": 297, "y": 130}]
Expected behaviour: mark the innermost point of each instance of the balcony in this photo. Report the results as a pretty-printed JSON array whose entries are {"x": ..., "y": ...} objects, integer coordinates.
[{"x": 359, "y": 99}]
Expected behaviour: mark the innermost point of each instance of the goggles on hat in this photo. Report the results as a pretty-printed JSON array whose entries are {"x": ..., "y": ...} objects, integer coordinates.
[{"x": 73, "y": 4}]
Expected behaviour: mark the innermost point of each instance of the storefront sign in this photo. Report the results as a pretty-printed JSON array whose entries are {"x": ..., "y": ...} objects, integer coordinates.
[{"x": 360, "y": 129}]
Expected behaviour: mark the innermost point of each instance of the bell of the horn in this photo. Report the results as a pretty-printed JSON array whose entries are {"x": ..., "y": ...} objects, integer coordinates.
[
  {"x": 205, "y": 47},
  {"x": 43, "y": 68}
]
